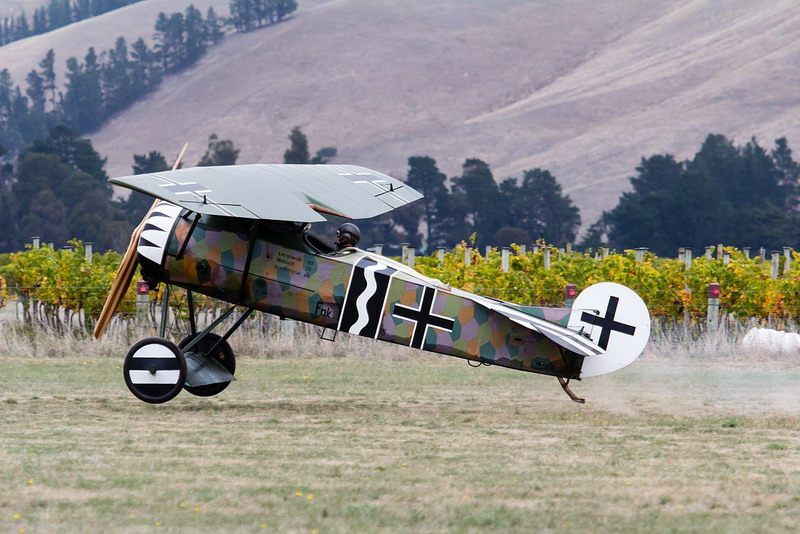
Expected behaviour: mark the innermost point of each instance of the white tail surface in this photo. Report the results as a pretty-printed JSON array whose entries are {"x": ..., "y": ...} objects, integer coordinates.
[{"x": 616, "y": 319}]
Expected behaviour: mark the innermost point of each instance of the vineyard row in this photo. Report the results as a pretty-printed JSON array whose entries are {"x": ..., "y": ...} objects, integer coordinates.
[{"x": 69, "y": 281}]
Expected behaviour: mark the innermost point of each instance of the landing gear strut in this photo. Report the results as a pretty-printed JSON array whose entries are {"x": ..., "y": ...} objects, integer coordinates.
[{"x": 203, "y": 363}]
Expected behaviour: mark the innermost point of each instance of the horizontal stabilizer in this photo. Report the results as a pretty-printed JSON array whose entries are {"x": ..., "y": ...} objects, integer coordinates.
[{"x": 568, "y": 338}]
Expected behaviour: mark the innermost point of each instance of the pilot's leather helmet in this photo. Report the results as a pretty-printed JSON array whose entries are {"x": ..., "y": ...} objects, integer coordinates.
[{"x": 347, "y": 235}]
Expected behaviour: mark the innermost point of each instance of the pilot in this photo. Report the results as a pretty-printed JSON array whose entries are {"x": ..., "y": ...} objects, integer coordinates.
[{"x": 347, "y": 235}]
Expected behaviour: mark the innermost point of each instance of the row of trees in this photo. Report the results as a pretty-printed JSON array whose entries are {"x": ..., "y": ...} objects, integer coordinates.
[
  {"x": 513, "y": 211},
  {"x": 738, "y": 195},
  {"x": 248, "y": 15},
  {"x": 60, "y": 190},
  {"x": 55, "y": 14},
  {"x": 103, "y": 84},
  {"x": 474, "y": 203}
]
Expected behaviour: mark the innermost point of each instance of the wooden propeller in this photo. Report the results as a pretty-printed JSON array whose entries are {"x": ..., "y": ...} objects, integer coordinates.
[{"x": 122, "y": 280}]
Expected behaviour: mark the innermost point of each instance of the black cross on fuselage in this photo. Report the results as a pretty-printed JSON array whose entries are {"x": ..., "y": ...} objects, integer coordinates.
[
  {"x": 423, "y": 318},
  {"x": 607, "y": 324}
]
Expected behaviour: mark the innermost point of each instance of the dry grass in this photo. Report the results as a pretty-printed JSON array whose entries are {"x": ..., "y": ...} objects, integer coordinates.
[{"x": 399, "y": 441}]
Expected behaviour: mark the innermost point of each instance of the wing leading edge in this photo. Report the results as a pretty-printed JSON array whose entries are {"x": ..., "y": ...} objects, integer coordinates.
[{"x": 300, "y": 193}]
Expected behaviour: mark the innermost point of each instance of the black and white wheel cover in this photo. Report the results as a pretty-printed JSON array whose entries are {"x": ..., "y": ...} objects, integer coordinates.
[{"x": 155, "y": 370}]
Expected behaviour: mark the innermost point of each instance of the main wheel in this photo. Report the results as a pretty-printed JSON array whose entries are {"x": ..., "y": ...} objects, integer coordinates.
[
  {"x": 224, "y": 355},
  {"x": 154, "y": 370}
]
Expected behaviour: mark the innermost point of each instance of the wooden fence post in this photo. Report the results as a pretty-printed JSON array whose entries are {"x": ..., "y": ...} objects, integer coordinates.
[
  {"x": 775, "y": 264},
  {"x": 88, "y": 251},
  {"x": 142, "y": 304},
  {"x": 687, "y": 264},
  {"x": 522, "y": 250},
  {"x": 640, "y": 254},
  {"x": 440, "y": 255},
  {"x": 487, "y": 250},
  {"x": 712, "y": 317},
  {"x": 746, "y": 251},
  {"x": 467, "y": 255},
  {"x": 505, "y": 253},
  {"x": 708, "y": 252},
  {"x": 787, "y": 259},
  {"x": 379, "y": 249},
  {"x": 35, "y": 242},
  {"x": 410, "y": 256},
  {"x": 403, "y": 252},
  {"x": 546, "y": 259},
  {"x": 687, "y": 258}
]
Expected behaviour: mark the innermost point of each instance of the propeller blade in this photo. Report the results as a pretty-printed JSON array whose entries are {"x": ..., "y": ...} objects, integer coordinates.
[
  {"x": 127, "y": 267},
  {"x": 120, "y": 285}
]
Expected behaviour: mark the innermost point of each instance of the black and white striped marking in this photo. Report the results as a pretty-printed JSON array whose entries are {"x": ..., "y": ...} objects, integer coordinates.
[
  {"x": 366, "y": 297},
  {"x": 157, "y": 231},
  {"x": 154, "y": 370}
]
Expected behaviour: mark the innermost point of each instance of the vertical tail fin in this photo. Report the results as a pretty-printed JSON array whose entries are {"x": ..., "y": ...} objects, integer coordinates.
[{"x": 617, "y": 320}]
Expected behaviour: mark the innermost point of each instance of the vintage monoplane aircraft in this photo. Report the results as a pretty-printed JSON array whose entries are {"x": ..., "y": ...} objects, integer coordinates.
[{"x": 241, "y": 234}]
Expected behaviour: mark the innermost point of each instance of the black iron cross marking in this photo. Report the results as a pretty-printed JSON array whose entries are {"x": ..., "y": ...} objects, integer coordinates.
[
  {"x": 423, "y": 318},
  {"x": 607, "y": 324}
]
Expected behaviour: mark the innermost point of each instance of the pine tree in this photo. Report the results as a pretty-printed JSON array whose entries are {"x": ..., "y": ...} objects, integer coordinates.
[
  {"x": 35, "y": 91},
  {"x": 47, "y": 64},
  {"x": 298, "y": 151},
  {"x": 215, "y": 26},
  {"x": 83, "y": 98},
  {"x": 196, "y": 34},
  {"x": 117, "y": 88},
  {"x": 284, "y": 8},
  {"x": 145, "y": 69},
  {"x": 481, "y": 198},
  {"x": 219, "y": 152},
  {"x": 424, "y": 176}
]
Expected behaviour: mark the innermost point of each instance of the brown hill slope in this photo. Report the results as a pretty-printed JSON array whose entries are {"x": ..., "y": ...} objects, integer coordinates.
[
  {"x": 101, "y": 32},
  {"x": 580, "y": 87}
]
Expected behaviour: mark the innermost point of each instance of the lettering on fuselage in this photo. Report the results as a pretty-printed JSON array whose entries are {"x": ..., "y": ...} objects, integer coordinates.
[
  {"x": 366, "y": 297},
  {"x": 323, "y": 310},
  {"x": 292, "y": 264}
]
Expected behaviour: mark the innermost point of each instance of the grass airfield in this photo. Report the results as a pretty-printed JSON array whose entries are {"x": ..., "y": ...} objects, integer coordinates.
[{"x": 382, "y": 442}]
